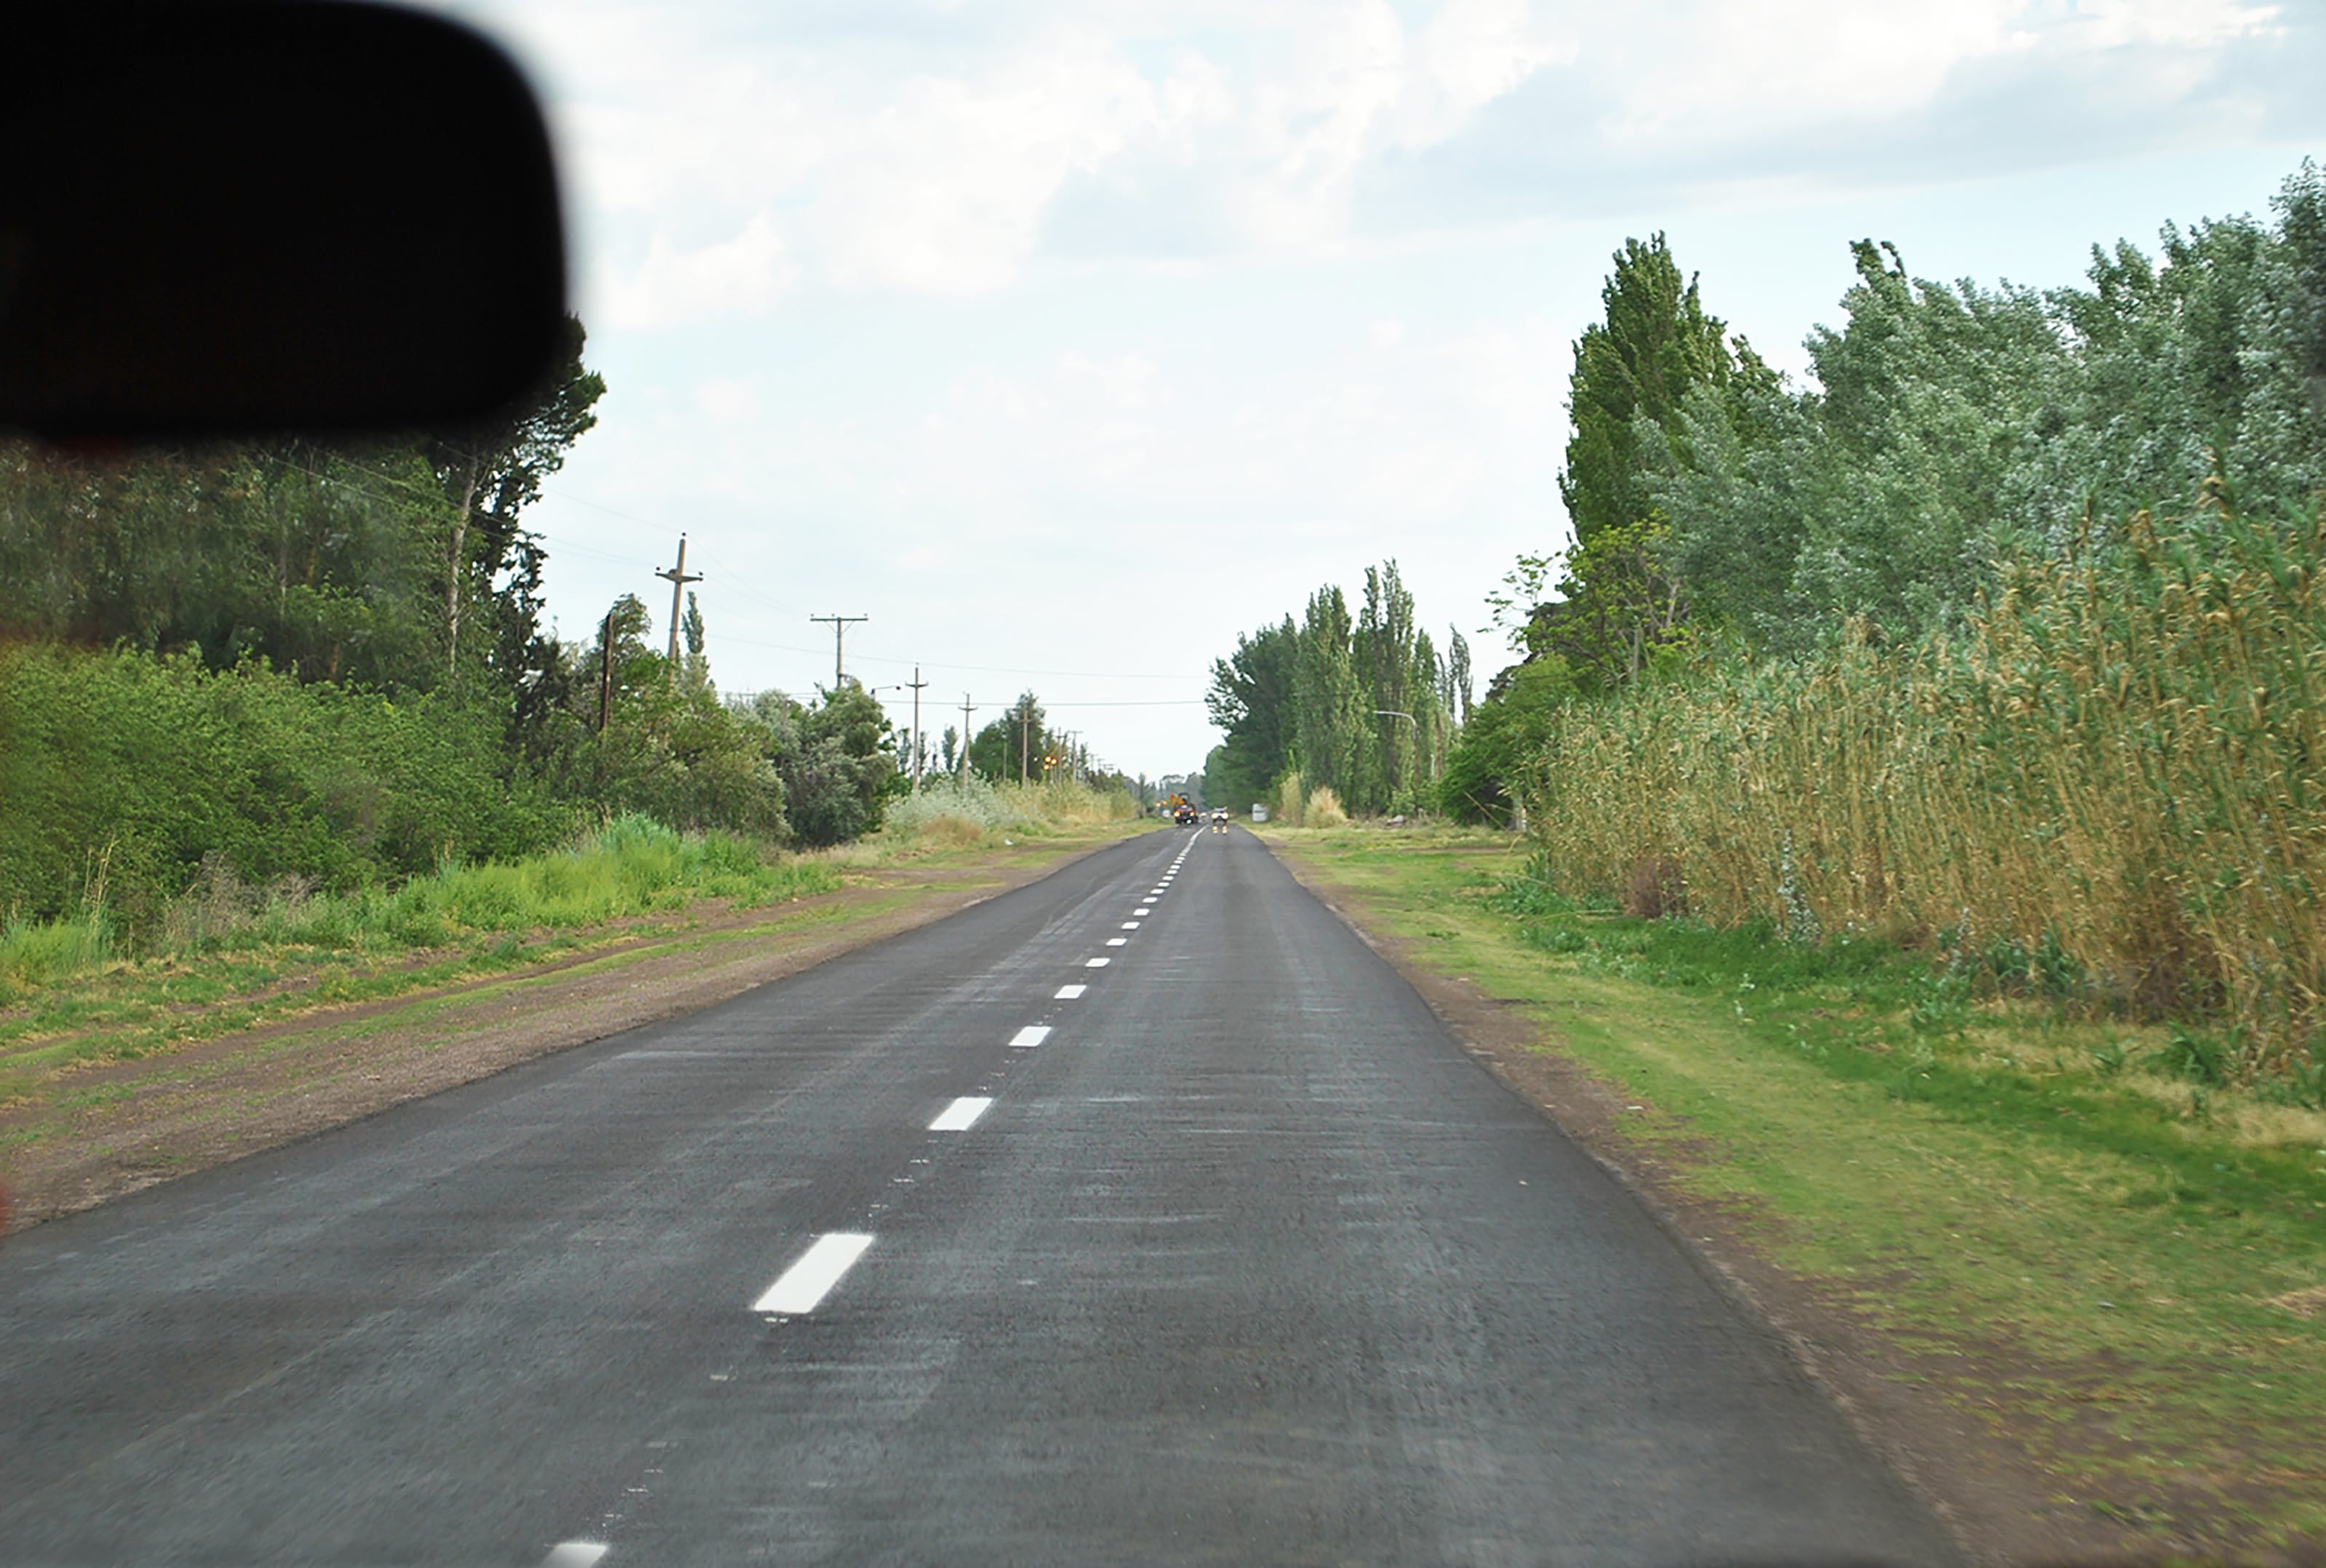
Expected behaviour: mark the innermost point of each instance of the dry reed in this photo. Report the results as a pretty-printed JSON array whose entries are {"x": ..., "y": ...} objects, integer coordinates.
[{"x": 2112, "y": 771}]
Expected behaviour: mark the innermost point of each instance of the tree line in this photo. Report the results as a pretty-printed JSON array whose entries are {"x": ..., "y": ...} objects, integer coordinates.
[
  {"x": 2002, "y": 633},
  {"x": 1359, "y": 703}
]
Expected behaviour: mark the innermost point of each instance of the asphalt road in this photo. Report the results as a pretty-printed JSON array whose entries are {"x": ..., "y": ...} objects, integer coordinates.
[{"x": 1246, "y": 1261}]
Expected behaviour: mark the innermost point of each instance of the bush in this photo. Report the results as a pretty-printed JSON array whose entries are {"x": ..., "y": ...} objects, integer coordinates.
[
  {"x": 1323, "y": 810},
  {"x": 128, "y": 773}
]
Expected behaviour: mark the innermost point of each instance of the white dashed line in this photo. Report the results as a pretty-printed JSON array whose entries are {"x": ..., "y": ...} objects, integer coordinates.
[
  {"x": 1068, "y": 993},
  {"x": 1116, "y": 941},
  {"x": 1130, "y": 925},
  {"x": 961, "y": 1115},
  {"x": 819, "y": 1268},
  {"x": 575, "y": 1554},
  {"x": 1096, "y": 963},
  {"x": 1032, "y": 1035}
]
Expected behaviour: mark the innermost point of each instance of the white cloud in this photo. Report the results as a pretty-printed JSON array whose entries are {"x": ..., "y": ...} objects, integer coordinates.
[
  {"x": 942, "y": 186},
  {"x": 740, "y": 276},
  {"x": 927, "y": 148}
]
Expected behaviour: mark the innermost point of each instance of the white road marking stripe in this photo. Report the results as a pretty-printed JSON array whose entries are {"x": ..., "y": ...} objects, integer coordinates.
[
  {"x": 1068, "y": 993},
  {"x": 1143, "y": 911},
  {"x": 1130, "y": 925},
  {"x": 961, "y": 1115},
  {"x": 819, "y": 1268},
  {"x": 574, "y": 1553},
  {"x": 1096, "y": 963},
  {"x": 1032, "y": 1035},
  {"x": 1116, "y": 941}
]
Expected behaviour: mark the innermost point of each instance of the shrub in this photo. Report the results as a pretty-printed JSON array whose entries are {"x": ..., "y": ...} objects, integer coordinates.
[
  {"x": 1289, "y": 800},
  {"x": 150, "y": 767},
  {"x": 1323, "y": 810}
]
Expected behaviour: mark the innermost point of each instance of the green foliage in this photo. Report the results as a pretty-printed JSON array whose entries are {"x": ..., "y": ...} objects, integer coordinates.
[
  {"x": 1506, "y": 736},
  {"x": 1653, "y": 345},
  {"x": 669, "y": 748},
  {"x": 1251, "y": 700},
  {"x": 1361, "y": 704},
  {"x": 625, "y": 866},
  {"x": 1952, "y": 427},
  {"x": 1018, "y": 745},
  {"x": 123, "y": 773},
  {"x": 36, "y": 953},
  {"x": 837, "y": 759}
]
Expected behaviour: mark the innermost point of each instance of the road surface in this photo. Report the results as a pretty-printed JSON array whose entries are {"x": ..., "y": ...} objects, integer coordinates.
[{"x": 1141, "y": 1215}]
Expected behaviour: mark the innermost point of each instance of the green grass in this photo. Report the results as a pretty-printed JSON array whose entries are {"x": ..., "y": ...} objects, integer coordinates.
[
  {"x": 239, "y": 956},
  {"x": 628, "y": 867},
  {"x": 1981, "y": 1182}
]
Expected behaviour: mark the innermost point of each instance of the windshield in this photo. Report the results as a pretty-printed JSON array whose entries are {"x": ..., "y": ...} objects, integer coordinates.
[{"x": 1469, "y": 782}]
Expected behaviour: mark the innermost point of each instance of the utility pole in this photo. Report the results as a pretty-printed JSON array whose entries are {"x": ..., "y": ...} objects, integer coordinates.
[
  {"x": 1025, "y": 718},
  {"x": 840, "y": 625},
  {"x": 605, "y": 670},
  {"x": 966, "y": 709},
  {"x": 678, "y": 580},
  {"x": 916, "y": 683}
]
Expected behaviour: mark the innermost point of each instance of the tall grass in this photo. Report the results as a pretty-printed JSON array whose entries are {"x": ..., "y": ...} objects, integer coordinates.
[
  {"x": 630, "y": 865},
  {"x": 1323, "y": 810},
  {"x": 36, "y": 953},
  {"x": 2110, "y": 782},
  {"x": 962, "y": 811}
]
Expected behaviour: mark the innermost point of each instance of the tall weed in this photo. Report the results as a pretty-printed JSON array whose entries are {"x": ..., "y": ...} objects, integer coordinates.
[{"x": 2111, "y": 780}]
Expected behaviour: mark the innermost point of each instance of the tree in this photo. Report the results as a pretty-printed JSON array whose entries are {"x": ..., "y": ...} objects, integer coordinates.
[
  {"x": 1329, "y": 715},
  {"x": 488, "y": 473},
  {"x": 1654, "y": 344},
  {"x": 1617, "y": 605},
  {"x": 668, "y": 750},
  {"x": 1012, "y": 747},
  {"x": 1509, "y": 733},
  {"x": 1251, "y": 702},
  {"x": 837, "y": 759}
]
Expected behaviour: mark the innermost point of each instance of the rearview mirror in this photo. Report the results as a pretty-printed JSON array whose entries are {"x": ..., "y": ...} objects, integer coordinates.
[{"x": 232, "y": 216}]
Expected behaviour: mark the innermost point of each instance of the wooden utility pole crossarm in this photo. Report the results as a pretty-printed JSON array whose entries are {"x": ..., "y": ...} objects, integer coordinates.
[
  {"x": 840, "y": 625},
  {"x": 678, "y": 579}
]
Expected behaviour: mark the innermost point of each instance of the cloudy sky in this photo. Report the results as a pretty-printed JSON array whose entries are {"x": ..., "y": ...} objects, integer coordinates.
[{"x": 1066, "y": 338}]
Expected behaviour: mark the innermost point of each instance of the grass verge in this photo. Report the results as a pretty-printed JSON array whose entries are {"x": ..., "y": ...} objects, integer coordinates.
[{"x": 2067, "y": 1232}]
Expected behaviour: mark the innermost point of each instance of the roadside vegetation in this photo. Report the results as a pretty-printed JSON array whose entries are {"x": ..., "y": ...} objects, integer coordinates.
[
  {"x": 299, "y": 697},
  {"x": 2078, "y": 1232},
  {"x": 955, "y": 811},
  {"x": 2003, "y": 641}
]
